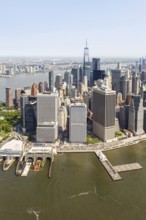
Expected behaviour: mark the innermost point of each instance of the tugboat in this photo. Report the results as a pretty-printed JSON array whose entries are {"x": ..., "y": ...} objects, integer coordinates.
[{"x": 8, "y": 162}]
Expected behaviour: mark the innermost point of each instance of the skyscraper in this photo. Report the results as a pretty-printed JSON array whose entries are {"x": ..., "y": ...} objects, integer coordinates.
[
  {"x": 135, "y": 84},
  {"x": 75, "y": 73},
  {"x": 17, "y": 97},
  {"x": 30, "y": 116},
  {"x": 95, "y": 64},
  {"x": 98, "y": 74},
  {"x": 9, "y": 97},
  {"x": 136, "y": 112},
  {"x": 116, "y": 75},
  {"x": 41, "y": 87},
  {"x": 34, "y": 89},
  {"x": 104, "y": 113},
  {"x": 58, "y": 81},
  {"x": 77, "y": 123},
  {"x": 23, "y": 101},
  {"x": 125, "y": 86},
  {"x": 86, "y": 63},
  {"x": 47, "y": 117},
  {"x": 67, "y": 77},
  {"x": 51, "y": 81}
]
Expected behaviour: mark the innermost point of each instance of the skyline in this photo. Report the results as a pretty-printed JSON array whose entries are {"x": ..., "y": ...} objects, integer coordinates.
[{"x": 46, "y": 28}]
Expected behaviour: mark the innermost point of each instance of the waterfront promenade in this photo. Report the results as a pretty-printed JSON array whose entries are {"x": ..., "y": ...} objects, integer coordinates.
[{"x": 102, "y": 146}]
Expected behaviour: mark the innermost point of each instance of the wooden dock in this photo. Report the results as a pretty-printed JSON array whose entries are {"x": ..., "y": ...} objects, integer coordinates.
[{"x": 128, "y": 167}]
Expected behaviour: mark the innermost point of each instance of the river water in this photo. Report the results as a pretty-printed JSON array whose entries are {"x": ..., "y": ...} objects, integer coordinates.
[
  {"x": 21, "y": 81},
  {"x": 27, "y": 79},
  {"x": 79, "y": 188}
]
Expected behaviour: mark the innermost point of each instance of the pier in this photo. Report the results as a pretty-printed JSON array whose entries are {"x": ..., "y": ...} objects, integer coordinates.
[
  {"x": 114, "y": 171},
  {"x": 128, "y": 167},
  {"x": 108, "y": 166},
  {"x": 50, "y": 169}
]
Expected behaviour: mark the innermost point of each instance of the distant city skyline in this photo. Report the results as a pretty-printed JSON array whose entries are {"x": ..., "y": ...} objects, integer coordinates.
[{"x": 60, "y": 28}]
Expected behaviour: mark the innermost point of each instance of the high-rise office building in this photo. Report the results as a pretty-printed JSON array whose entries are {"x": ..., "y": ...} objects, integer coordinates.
[
  {"x": 144, "y": 98},
  {"x": 67, "y": 77},
  {"x": 9, "y": 97},
  {"x": 116, "y": 75},
  {"x": 144, "y": 120},
  {"x": 98, "y": 74},
  {"x": 34, "y": 89},
  {"x": 51, "y": 81},
  {"x": 75, "y": 74},
  {"x": 41, "y": 87},
  {"x": 30, "y": 116},
  {"x": 104, "y": 113},
  {"x": 123, "y": 116},
  {"x": 47, "y": 117},
  {"x": 135, "y": 84},
  {"x": 119, "y": 98},
  {"x": 143, "y": 76},
  {"x": 125, "y": 86},
  {"x": 58, "y": 81},
  {"x": 77, "y": 123},
  {"x": 23, "y": 101},
  {"x": 62, "y": 118},
  {"x": 95, "y": 64},
  {"x": 135, "y": 123},
  {"x": 17, "y": 98}
]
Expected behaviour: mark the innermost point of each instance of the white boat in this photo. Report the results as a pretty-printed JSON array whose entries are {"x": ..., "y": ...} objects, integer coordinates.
[
  {"x": 20, "y": 167},
  {"x": 8, "y": 162},
  {"x": 26, "y": 168}
]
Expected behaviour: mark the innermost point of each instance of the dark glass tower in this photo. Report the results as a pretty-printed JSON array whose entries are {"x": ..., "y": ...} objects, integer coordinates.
[
  {"x": 51, "y": 81},
  {"x": 104, "y": 113}
]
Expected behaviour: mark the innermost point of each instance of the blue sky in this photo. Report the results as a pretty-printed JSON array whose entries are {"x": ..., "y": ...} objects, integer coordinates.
[{"x": 60, "y": 27}]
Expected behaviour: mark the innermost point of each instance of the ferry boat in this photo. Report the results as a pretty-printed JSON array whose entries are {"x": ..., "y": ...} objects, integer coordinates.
[{"x": 8, "y": 162}]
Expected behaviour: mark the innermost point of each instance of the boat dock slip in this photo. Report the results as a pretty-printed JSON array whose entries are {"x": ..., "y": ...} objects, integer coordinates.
[
  {"x": 108, "y": 166},
  {"x": 128, "y": 167}
]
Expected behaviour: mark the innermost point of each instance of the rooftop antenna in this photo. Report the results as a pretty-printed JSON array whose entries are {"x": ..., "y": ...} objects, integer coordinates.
[{"x": 86, "y": 42}]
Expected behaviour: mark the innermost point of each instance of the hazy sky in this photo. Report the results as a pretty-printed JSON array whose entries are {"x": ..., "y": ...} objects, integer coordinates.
[{"x": 60, "y": 27}]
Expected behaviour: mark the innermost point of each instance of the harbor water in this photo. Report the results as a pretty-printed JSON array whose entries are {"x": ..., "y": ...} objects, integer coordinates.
[{"x": 79, "y": 188}]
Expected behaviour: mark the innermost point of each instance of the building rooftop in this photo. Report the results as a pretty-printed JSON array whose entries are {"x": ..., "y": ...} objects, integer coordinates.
[{"x": 13, "y": 145}]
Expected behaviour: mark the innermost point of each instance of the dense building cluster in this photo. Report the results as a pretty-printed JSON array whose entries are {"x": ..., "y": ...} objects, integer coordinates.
[{"x": 85, "y": 99}]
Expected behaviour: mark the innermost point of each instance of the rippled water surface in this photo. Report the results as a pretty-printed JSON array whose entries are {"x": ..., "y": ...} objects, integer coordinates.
[{"x": 79, "y": 188}]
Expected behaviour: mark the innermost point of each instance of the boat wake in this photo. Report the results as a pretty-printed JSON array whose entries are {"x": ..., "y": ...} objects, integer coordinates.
[
  {"x": 35, "y": 212},
  {"x": 94, "y": 192},
  {"x": 80, "y": 194}
]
